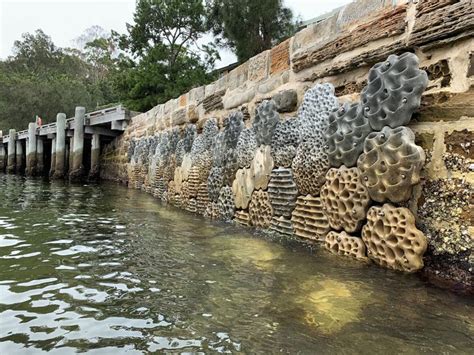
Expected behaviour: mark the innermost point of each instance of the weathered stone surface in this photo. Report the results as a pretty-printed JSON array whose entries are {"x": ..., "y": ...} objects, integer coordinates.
[
  {"x": 438, "y": 72},
  {"x": 238, "y": 97},
  {"x": 436, "y": 22},
  {"x": 317, "y": 33},
  {"x": 258, "y": 66},
  {"x": 392, "y": 239},
  {"x": 183, "y": 100},
  {"x": 393, "y": 91},
  {"x": 359, "y": 10},
  {"x": 214, "y": 101},
  {"x": 246, "y": 147},
  {"x": 286, "y": 100},
  {"x": 308, "y": 218},
  {"x": 345, "y": 245},
  {"x": 345, "y": 199},
  {"x": 445, "y": 106},
  {"x": 387, "y": 24},
  {"x": 272, "y": 83},
  {"x": 242, "y": 217},
  {"x": 349, "y": 88},
  {"x": 197, "y": 94},
  {"x": 238, "y": 76},
  {"x": 390, "y": 164},
  {"x": 280, "y": 57}
]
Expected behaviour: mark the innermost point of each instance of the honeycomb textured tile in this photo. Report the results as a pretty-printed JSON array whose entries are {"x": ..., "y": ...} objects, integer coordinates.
[
  {"x": 230, "y": 166},
  {"x": 348, "y": 128},
  {"x": 194, "y": 181},
  {"x": 242, "y": 217},
  {"x": 313, "y": 114},
  {"x": 246, "y": 147},
  {"x": 390, "y": 164},
  {"x": 202, "y": 198},
  {"x": 346, "y": 245},
  {"x": 285, "y": 141},
  {"x": 189, "y": 135},
  {"x": 283, "y": 192},
  {"x": 310, "y": 167},
  {"x": 393, "y": 91},
  {"x": 215, "y": 181},
  {"x": 261, "y": 167},
  {"x": 243, "y": 187},
  {"x": 218, "y": 150},
  {"x": 260, "y": 209},
  {"x": 225, "y": 204},
  {"x": 392, "y": 239},
  {"x": 308, "y": 218},
  {"x": 233, "y": 126},
  {"x": 265, "y": 122},
  {"x": 345, "y": 199},
  {"x": 281, "y": 225}
]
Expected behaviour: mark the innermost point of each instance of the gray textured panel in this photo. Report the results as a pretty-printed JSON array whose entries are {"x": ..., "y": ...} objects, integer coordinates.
[
  {"x": 180, "y": 152},
  {"x": 393, "y": 91},
  {"x": 218, "y": 150},
  {"x": 283, "y": 192},
  {"x": 230, "y": 166},
  {"x": 233, "y": 125},
  {"x": 265, "y": 122},
  {"x": 285, "y": 141},
  {"x": 214, "y": 183},
  {"x": 246, "y": 147},
  {"x": 201, "y": 149},
  {"x": 225, "y": 203},
  {"x": 313, "y": 114},
  {"x": 310, "y": 166},
  {"x": 348, "y": 128},
  {"x": 189, "y": 135},
  {"x": 390, "y": 164}
]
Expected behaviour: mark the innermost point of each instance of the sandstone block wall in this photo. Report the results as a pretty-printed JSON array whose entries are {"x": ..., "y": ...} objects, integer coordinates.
[{"x": 338, "y": 50}]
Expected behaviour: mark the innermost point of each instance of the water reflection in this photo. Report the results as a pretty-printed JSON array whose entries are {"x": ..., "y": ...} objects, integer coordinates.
[{"x": 107, "y": 269}]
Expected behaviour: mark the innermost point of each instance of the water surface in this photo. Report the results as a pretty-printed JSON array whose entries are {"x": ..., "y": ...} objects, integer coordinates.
[{"x": 109, "y": 270}]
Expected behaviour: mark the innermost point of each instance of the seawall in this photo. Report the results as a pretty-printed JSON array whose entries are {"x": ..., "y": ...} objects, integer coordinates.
[{"x": 161, "y": 152}]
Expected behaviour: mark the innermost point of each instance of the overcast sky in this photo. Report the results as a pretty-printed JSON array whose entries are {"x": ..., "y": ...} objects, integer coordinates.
[{"x": 65, "y": 20}]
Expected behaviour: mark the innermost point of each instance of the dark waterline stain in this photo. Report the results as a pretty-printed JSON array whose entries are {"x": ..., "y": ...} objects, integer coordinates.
[{"x": 104, "y": 269}]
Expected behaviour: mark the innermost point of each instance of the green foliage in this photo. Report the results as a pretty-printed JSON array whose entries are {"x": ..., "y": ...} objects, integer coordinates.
[
  {"x": 41, "y": 79},
  {"x": 164, "y": 59},
  {"x": 249, "y": 27}
]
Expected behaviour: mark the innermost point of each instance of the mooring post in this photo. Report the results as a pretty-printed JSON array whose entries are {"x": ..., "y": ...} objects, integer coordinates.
[
  {"x": 53, "y": 157},
  {"x": 19, "y": 164},
  {"x": 39, "y": 156},
  {"x": 77, "y": 168},
  {"x": 31, "y": 150},
  {"x": 95, "y": 155},
  {"x": 70, "y": 150},
  {"x": 11, "y": 152},
  {"x": 60, "y": 146},
  {"x": 3, "y": 157}
]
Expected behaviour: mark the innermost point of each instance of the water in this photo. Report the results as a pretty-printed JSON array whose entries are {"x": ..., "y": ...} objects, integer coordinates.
[{"x": 109, "y": 270}]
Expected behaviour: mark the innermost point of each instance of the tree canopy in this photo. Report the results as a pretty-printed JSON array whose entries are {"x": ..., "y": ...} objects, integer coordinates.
[{"x": 249, "y": 27}]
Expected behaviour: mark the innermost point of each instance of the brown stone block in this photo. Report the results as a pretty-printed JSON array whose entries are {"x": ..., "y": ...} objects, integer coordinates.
[
  {"x": 461, "y": 143},
  {"x": 280, "y": 57},
  {"x": 182, "y": 100},
  {"x": 445, "y": 106}
]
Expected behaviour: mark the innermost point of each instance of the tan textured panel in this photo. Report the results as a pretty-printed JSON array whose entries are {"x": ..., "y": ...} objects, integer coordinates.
[
  {"x": 308, "y": 218},
  {"x": 260, "y": 209},
  {"x": 262, "y": 166},
  {"x": 346, "y": 245},
  {"x": 392, "y": 239},
  {"x": 242, "y": 217},
  {"x": 242, "y": 187},
  {"x": 345, "y": 199},
  {"x": 202, "y": 198},
  {"x": 282, "y": 225}
]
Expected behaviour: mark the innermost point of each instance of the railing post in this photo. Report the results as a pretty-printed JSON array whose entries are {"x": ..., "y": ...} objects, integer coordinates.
[
  {"x": 11, "y": 152},
  {"x": 95, "y": 155},
  {"x": 60, "y": 146},
  {"x": 31, "y": 150},
  {"x": 77, "y": 168}
]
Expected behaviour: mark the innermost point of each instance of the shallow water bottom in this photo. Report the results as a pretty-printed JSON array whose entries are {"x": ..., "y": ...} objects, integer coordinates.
[{"x": 105, "y": 269}]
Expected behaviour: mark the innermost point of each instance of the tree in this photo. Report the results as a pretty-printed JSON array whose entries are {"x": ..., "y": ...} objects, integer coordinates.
[
  {"x": 42, "y": 79},
  {"x": 249, "y": 27},
  {"x": 164, "y": 57}
]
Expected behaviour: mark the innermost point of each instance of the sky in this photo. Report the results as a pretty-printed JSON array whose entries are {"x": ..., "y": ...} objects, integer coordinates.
[{"x": 65, "y": 20}]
